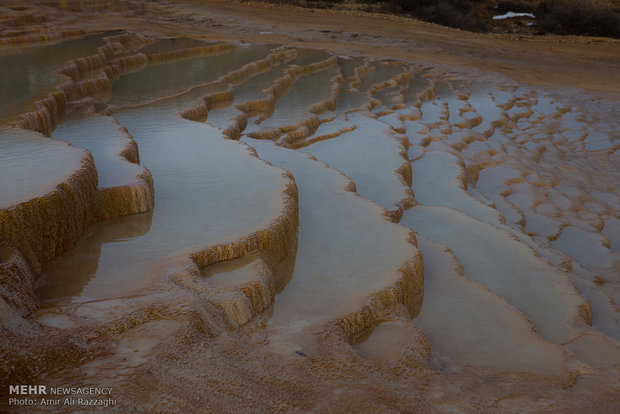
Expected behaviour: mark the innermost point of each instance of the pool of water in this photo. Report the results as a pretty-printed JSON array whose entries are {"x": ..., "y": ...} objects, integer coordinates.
[
  {"x": 516, "y": 207},
  {"x": 346, "y": 251},
  {"x": 32, "y": 165},
  {"x": 172, "y": 77},
  {"x": 205, "y": 193},
  {"x": 29, "y": 74}
]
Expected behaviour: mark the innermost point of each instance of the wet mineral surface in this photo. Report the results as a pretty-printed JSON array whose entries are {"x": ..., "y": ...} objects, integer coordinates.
[{"x": 211, "y": 225}]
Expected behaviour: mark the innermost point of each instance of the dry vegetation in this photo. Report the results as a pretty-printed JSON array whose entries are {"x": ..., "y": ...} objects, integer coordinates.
[{"x": 563, "y": 17}]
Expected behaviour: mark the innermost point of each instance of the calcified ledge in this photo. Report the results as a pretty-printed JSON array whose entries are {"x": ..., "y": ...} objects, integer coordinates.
[
  {"x": 210, "y": 346},
  {"x": 79, "y": 197},
  {"x": 189, "y": 53},
  {"x": 110, "y": 62},
  {"x": 128, "y": 199},
  {"x": 271, "y": 244},
  {"x": 392, "y": 301},
  {"x": 200, "y": 112},
  {"x": 28, "y": 39},
  {"x": 265, "y": 107},
  {"x": 52, "y": 110},
  {"x": 45, "y": 227},
  {"x": 41, "y": 229},
  {"x": 387, "y": 304},
  {"x": 381, "y": 306},
  {"x": 407, "y": 288},
  {"x": 279, "y": 88}
]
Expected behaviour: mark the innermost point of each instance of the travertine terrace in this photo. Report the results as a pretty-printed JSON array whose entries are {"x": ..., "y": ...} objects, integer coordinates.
[{"x": 208, "y": 221}]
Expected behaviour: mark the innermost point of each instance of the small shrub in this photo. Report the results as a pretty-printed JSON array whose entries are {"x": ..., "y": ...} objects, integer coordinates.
[
  {"x": 574, "y": 17},
  {"x": 577, "y": 17},
  {"x": 453, "y": 13},
  {"x": 516, "y": 6}
]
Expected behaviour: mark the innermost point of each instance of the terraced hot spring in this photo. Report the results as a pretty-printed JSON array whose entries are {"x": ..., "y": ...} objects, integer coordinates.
[
  {"x": 320, "y": 222},
  {"x": 29, "y": 73}
]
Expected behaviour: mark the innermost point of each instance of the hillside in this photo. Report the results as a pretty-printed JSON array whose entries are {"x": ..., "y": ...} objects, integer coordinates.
[{"x": 562, "y": 17}]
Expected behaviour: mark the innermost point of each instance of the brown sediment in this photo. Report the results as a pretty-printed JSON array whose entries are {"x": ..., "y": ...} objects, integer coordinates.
[
  {"x": 272, "y": 134},
  {"x": 89, "y": 87},
  {"x": 329, "y": 104},
  {"x": 295, "y": 138},
  {"x": 16, "y": 281},
  {"x": 372, "y": 104},
  {"x": 23, "y": 19},
  {"x": 473, "y": 170},
  {"x": 239, "y": 123},
  {"x": 127, "y": 40},
  {"x": 18, "y": 32},
  {"x": 47, "y": 226},
  {"x": 261, "y": 293},
  {"x": 275, "y": 242},
  {"x": 400, "y": 80},
  {"x": 257, "y": 107},
  {"x": 239, "y": 304},
  {"x": 49, "y": 112},
  {"x": 52, "y": 110},
  {"x": 189, "y": 53},
  {"x": 382, "y": 305},
  {"x": 34, "y": 38},
  {"x": 470, "y": 123},
  {"x": 360, "y": 72},
  {"x": 245, "y": 302},
  {"x": 282, "y": 85},
  {"x": 426, "y": 95},
  {"x": 405, "y": 170},
  {"x": 77, "y": 68},
  {"x": 325, "y": 137},
  {"x": 130, "y": 152},
  {"x": 200, "y": 113},
  {"x": 405, "y": 175},
  {"x": 276, "y": 57},
  {"x": 127, "y": 199},
  {"x": 30, "y": 350},
  {"x": 128, "y": 64},
  {"x": 413, "y": 115},
  {"x": 585, "y": 311},
  {"x": 297, "y": 71},
  {"x": 462, "y": 177},
  {"x": 216, "y": 99},
  {"x": 266, "y": 106},
  {"x": 296, "y": 134}
]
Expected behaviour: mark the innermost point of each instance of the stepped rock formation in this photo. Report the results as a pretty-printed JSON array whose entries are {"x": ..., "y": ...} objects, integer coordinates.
[{"x": 209, "y": 224}]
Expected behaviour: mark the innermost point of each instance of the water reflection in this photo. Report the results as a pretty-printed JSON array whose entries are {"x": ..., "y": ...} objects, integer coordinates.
[
  {"x": 70, "y": 273},
  {"x": 169, "y": 78},
  {"x": 27, "y": 74}
]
